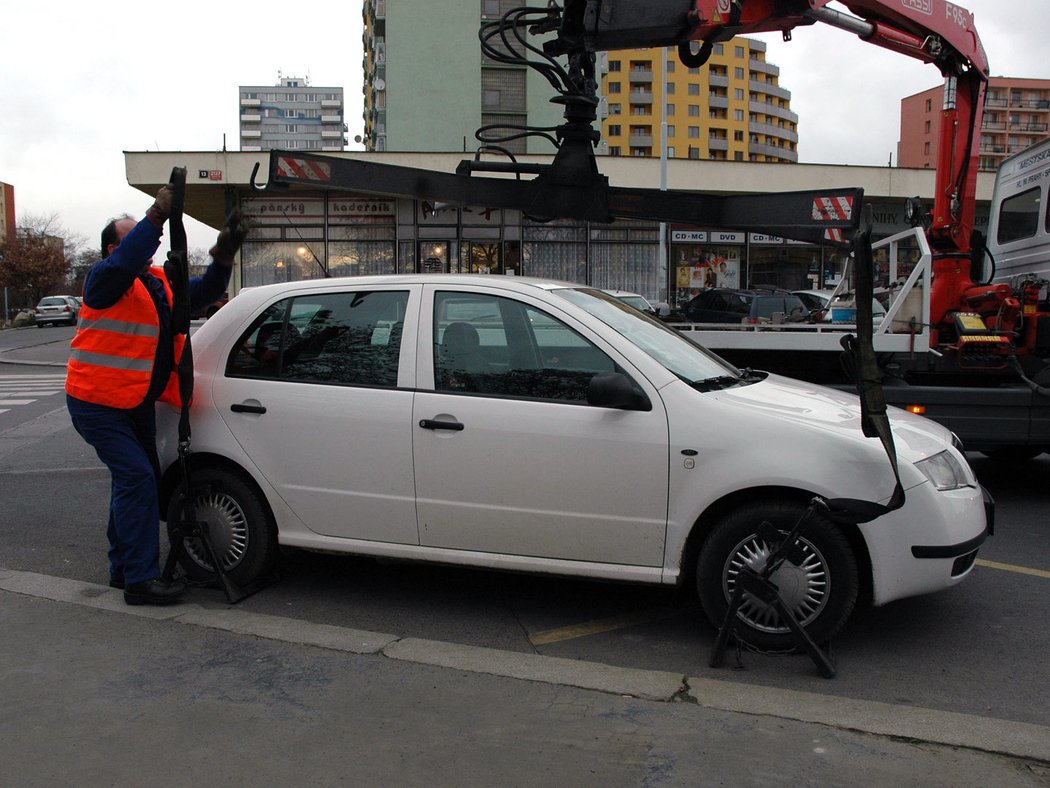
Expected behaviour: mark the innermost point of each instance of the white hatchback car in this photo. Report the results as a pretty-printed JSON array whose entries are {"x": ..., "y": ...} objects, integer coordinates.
[{"x": 529, "y": 425}]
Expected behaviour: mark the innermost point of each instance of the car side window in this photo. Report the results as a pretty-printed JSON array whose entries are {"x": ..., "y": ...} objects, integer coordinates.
[
  {"x": 350, "y": 339},
  {"x": 496, "y": 346}
]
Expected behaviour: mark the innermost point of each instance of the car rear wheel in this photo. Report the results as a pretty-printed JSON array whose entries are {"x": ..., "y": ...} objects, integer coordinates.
[
  {"x": 241, "y": 527},
  {"x": 818, "y": 584}
]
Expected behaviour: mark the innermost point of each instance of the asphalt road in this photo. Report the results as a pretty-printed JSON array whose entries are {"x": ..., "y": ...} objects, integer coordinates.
[{"x": 979, "y": 648}]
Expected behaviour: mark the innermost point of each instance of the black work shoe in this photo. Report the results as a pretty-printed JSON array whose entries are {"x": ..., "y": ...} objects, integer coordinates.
[
  {"x": 116, "y": 582},
  {"x": 154, "y": 592}
]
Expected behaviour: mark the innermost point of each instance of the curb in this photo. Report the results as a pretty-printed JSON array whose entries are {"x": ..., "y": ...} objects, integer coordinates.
[{"x": 984, "y": 734}]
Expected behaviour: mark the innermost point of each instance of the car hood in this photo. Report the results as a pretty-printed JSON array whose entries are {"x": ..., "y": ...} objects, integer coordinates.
[{"x": 915, "y": 437}]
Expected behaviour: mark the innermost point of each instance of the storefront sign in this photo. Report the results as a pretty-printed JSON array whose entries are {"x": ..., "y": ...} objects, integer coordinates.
[
  {"x": 688, "y": 237},
  {"x": 765, "y": 240},
  {"x": 281, "y": 209},
  {"x": 353, "y": 208},
  {"x": 726, "y": 238}
]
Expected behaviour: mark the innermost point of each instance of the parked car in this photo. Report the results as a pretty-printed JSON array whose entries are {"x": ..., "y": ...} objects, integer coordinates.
[
  {"x": 520, "y": 424},
  {"x": 210, "y": 309},
  {"x": 730, "y": 305},
  {"x": 638, "y": 301},
  {"x": 57, "y": 310},
  {"x": 820, "y": 301}
]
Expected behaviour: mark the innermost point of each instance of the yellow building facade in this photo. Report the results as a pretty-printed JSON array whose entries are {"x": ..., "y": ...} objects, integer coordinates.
[{"x": 732, "y": 108}]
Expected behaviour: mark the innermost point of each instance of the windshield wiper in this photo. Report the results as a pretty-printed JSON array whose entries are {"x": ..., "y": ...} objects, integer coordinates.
[{"x": 716, "y": 383}]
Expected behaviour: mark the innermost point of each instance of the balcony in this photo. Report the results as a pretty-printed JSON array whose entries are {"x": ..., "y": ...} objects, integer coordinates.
[
  {"x": 770, "y": 130},
  {"x": 251, "y": 133},
  {"x": 330, "y": 135},
  {"x": 771, "y": 151},
  {"x": 251, "y": 102},
  {"x": 762, "y": 66},
  {"x": 253, "y": 118},
  {"x": 331, "y": 118},
  {"x": 331, "y": 104},
  {"x": 718, "y": 80},
  {"x": 717, "y": 143},
  {"x": 640, "y": 97},
  {"x": 761, "y": 108},
  {"x": 640, "y": 140},
  {"x": 640, "y": 75},
  {"x": 768, "y": 89}
]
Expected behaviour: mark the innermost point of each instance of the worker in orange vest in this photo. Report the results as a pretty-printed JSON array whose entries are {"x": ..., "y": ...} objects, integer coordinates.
[{"x": 122, "y": 359}]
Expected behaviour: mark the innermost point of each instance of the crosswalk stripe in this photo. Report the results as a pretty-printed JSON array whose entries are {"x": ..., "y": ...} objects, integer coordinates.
[{"x": 26, "y": 389}]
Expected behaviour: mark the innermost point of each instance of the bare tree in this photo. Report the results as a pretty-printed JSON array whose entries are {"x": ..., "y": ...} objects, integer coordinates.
[{"x": 35, "y": 262}]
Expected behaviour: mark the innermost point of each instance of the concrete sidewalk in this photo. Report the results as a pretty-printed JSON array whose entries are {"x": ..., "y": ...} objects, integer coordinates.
[{"x": 99, "y": 693}]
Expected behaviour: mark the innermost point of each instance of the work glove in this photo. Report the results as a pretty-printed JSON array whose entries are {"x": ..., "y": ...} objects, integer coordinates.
[
  {"x": 231, "y": 236},
  {"x": 159, "y": 212}
]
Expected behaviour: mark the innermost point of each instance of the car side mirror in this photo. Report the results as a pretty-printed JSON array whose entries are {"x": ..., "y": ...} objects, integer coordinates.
[{"x": 616, "y": 390}]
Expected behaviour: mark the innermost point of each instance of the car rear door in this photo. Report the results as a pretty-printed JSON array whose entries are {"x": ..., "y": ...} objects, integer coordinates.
[
  {"x": 318, "y": 392},
  {"x": 508, "y": 456}
]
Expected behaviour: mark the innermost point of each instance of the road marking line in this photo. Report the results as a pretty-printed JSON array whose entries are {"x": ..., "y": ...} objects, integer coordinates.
[
  {"x": 17, "y": 401},
  {"x": 1021, "y": 570},
  {"x": 602, "y": 625}
]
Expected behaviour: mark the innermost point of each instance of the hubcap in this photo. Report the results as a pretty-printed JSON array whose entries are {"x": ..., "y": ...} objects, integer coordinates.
[
  {"x": 227, "y": 527},
  {"x": 804, "y": 588}
]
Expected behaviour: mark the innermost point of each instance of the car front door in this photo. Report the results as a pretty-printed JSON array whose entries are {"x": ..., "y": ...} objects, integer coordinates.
[
  {"x": 312, "y": 394},
  {"x": 510, "y": 459}
]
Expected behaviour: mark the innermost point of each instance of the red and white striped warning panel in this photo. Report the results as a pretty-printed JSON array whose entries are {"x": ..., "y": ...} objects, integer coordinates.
[
  {"x": 290, "y": 167},
  {"x": 832, "y": 209},
  {"x": 835, "y": 235}
]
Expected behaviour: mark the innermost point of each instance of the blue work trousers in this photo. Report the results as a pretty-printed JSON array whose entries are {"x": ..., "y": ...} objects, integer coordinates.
[{"x": 126, "y": 441}]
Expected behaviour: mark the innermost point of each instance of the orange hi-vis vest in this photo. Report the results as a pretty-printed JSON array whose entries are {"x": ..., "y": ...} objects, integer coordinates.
[{"x": 112, "y": 355}]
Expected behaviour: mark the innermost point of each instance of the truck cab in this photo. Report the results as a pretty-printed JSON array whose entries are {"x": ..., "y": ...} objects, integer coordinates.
[{"x": 1019, "y": 222}]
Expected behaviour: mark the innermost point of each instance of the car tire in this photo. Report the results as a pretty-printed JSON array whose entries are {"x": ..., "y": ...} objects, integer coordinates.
[
  {"x": 821, "y": 591},
  {"x": 241, "y": 527}
]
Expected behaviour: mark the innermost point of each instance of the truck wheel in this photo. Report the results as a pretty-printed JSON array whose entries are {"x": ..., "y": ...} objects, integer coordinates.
[
  {"x": 241, "y": 527},
  {"x": 820, "y": 590}
]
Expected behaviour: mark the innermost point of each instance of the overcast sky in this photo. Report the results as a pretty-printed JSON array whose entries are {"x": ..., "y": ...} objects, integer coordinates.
[{"x": 84, "y": 82}]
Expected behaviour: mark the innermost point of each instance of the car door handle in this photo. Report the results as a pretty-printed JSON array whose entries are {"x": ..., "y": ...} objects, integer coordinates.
[
  {"x": 432, "y": 424},
  {"x": 241, "y": 408}
]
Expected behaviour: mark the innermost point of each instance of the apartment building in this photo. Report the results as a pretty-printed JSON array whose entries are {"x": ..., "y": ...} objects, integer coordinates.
[
  {"x": 292, "y": 115},
  {"x": 732, "y": 108},
  {"x": 429, "y": 88},
  {"x": 1016, "y": 115}
]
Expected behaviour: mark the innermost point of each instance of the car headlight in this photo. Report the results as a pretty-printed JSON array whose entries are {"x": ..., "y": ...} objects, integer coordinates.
[{"x": 946, "y": 472}]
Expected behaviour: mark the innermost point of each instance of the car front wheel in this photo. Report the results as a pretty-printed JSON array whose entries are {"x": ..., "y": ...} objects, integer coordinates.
[
  {"x": 818, "y": 583},
  {"x": 240, "y": 526}
]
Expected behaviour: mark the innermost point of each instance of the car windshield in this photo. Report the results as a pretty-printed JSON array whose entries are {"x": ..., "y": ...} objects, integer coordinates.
[{"x": 690, "y": 362}]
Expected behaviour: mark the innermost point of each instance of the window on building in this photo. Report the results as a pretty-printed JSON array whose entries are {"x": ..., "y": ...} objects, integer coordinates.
[
  {"x": 694, "y": 110},
  {"x": 738, "y": 136},
  {"x": 694, "y": 132},
  {"x": 670, "y": 88},
  {"x": 669, "y": 65},
  {"x": 490, "y": 7},
  {"x": 614, "y": 150},
  {"x": 614, "y": 87},
  {"x": 738, "y": 114},
  {"x": 614, "y": 66},
  {"x": 490, "y": 99},
  {"x": 738, "y": 51},
  {"x": 670, "y": 110},
  {"x": 694, "y": 89},
  {"x": 615, "y": 109},
  {"x": 738, "y": 155},
  {"x": 738, "y": 73},
  {"x": 670, "y": 131},
  {"x": 738, "y": 94},
  {"x": 694, "y": 153},
  {"x": 614, "y": 130},
  {"x": 670, "y": 153}
]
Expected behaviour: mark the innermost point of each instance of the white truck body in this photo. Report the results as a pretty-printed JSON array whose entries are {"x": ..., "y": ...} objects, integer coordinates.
[{"x": 1019, "y": 218}]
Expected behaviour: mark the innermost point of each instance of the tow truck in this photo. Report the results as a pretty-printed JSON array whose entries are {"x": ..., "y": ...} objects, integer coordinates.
[{"x": 966, "y": 352}]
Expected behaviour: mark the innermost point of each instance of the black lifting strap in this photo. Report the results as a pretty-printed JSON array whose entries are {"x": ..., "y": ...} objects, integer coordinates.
[
  {"x": 177, "y": 272},
  {"x": 859, "y": 360}
]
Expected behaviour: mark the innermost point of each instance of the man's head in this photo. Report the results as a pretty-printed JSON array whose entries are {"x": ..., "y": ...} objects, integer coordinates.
[{"x": 114, "y": 232}]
